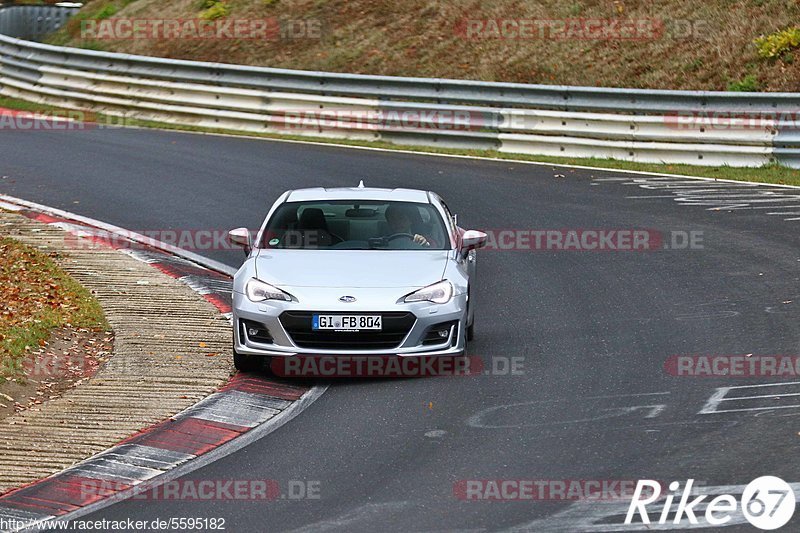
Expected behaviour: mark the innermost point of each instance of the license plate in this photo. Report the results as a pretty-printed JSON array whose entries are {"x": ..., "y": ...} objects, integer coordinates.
[{"x": 346, "y": 322}]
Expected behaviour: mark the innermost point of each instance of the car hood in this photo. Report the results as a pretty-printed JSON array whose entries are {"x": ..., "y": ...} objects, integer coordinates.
[{"x": 351, "y": 268}]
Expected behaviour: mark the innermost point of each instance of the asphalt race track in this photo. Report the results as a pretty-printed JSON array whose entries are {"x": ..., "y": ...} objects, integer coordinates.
[{"x": 593, "y": 400}]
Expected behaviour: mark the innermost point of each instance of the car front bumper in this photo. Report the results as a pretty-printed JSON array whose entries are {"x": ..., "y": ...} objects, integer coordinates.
[{"x": 428, "y": 318}]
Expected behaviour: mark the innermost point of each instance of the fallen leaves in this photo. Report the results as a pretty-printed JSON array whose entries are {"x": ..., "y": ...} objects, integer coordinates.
[
  {"x": 52, "y": 331},
  {"x": 69, "y": 358},
  {"x": 36, "y": 297}
]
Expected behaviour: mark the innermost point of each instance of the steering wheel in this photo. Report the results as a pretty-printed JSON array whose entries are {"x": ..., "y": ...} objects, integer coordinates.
[{"x": 399, "y": 236}]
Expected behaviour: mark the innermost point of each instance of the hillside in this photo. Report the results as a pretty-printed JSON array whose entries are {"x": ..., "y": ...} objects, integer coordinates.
[{"x": 629, "y": 43}]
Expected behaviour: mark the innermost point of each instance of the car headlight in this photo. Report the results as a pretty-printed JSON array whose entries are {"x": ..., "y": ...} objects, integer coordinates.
[
  {"x": 438, "y": 293},
  {"x": 258, "y": 291}
]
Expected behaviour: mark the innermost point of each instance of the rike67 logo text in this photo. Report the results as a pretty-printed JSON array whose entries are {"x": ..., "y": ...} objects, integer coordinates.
[{"x": 767, "y": 503}]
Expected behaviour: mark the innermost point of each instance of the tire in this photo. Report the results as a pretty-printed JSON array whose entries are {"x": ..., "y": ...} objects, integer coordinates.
[{"x": 247, "y": 363}]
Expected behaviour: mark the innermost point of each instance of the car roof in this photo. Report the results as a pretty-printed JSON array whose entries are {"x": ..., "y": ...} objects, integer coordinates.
[{"x": 358, "y": 193}]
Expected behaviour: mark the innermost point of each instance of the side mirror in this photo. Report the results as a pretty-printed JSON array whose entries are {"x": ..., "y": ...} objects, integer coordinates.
[
  {"x": 472, "y": 239},
  {"x": 241, "y": 237}
]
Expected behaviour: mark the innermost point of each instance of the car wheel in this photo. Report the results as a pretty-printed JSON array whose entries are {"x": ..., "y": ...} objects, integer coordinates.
[
  {"x": 247, "y": 363},
  {"x": 470, "y": 332}
]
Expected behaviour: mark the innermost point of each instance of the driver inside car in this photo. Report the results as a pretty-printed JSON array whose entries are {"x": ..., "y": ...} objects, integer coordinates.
[{"x": 400, "y": 220}]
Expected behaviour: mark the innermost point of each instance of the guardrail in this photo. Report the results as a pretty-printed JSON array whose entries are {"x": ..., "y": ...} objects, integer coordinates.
[
  {"x": 32, "y": 21},
  {"x": 695, "y": 127}
]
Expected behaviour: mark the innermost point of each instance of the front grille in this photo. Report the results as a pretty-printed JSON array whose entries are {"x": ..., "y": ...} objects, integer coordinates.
[{"x": 396, "y": 326}]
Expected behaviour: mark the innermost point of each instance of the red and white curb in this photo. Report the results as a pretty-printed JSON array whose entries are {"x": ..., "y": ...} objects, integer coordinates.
[{"x": 246, "y": 409}]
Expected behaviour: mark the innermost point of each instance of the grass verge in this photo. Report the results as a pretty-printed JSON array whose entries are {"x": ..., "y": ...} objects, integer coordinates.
[
  {"x": 37, "y": 297},
  {"x": 708, "y": 45},
  {"x": 772, "y": 173}
]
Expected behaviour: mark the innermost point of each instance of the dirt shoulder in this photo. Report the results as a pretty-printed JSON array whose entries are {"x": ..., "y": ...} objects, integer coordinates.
[
  {"x": 53, "y": 334},
  {"x": 67, "y": 359},
  {"x": 171, "y": 349}
]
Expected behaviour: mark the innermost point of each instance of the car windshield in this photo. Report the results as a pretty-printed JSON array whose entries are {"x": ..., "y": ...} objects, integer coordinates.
[{"x": 356, "y": 225}]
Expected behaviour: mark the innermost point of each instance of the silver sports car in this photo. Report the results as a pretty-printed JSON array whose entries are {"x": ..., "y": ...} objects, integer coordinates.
[{"x": 354, "y": 271}]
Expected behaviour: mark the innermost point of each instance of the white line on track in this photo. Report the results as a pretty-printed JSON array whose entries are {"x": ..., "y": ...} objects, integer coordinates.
[
  {"x": 723, "y": 196},
  {"x": 714, "y": 404}
]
